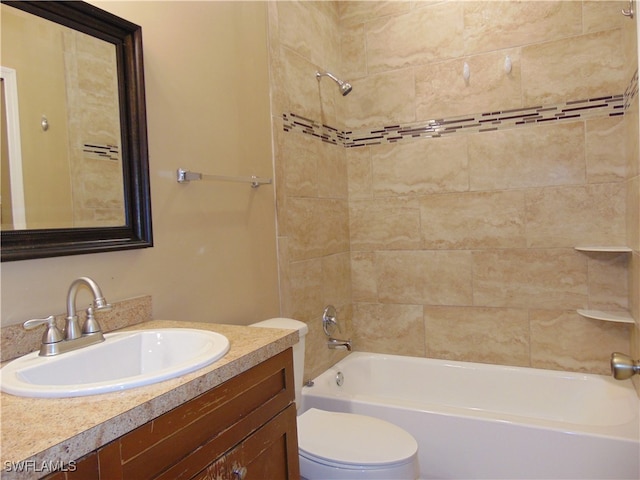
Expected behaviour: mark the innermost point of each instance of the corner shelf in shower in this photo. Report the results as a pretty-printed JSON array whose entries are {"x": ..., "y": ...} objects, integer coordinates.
[
  {"x": 616, "y": 317},
  {"x": 603, "y": 248}
]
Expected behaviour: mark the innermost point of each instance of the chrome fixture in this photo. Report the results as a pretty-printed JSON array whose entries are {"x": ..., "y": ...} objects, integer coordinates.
[
  {"x": 345, "y": 87},
  {"x": 329, "y": 325},
  {"x": 185, "y": 176},
  {"x": 623, "y": 366},
  {"x": 337, "y": 344},
  {"x": 629, "y": 13},
  {"x": 55, "y": 342}
]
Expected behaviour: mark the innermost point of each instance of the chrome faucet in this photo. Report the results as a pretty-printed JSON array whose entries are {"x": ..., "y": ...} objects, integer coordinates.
[
  {"x": 72, "y": 327},
  {"x": 337, "y": 344},
  {"x": 329, "y": 324},
  {"x": 55, "y": 342}
]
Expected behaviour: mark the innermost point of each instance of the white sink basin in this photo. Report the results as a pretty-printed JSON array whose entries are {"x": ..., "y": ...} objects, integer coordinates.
[{"x": 124, "y": 360}]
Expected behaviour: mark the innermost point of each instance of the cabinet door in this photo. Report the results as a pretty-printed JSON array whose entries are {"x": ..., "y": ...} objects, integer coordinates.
[{"x": 269, "y": 453}]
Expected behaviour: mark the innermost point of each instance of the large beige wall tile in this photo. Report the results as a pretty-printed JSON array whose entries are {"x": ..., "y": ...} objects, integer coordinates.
[
  {"x": 632, "y": 149},
  {"x": 575, "y": 68},
  {"x": 424, "y": 35},
  {"x": 487, "y": 335},
  {"x": 317, "y": 227},
  {"x": 364, "y": 287},
  {"x": 634, "y": 307},
  {"x": 563, "y": 340},
  {"x": 473, "y": 220},
  {"x": 576, "y": 215},
  {"x": 284, "y": 277},
  {"x": 603, "y": 15},
  {"x": 605, "y": 149},
  {"x": 353, "y": 43},
  {"x": 493, "y": 25},
  {"x": 608, "y": 281},
  {"x": 392, "y": 329},
  {"x": 528, "y": 278},
  {"x": 305, "y": 289},
  {"x": 426, "y": 166},
  {"x": 332, "y": 171},
  {"x": 424, "y": 277},
  {"x": 633, "y": 213},
  {"x": 441, "y": 90},
  {"x": 309, "y": 31},
  {"x": 299, "y": 156},
  {"x": 530, "y": 157},
  {"x": 336, "y": 280},
  {"x": 634, "y": 287},
  {"x": 384, "y": 224},
  {"x": 359, "y": 172},
  {"x": 361, "y": 11},
  {"x": 382, "y": 99}
]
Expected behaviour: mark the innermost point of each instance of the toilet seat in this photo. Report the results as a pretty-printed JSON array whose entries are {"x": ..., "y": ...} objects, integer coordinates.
[{"x": 346, "y": 439}]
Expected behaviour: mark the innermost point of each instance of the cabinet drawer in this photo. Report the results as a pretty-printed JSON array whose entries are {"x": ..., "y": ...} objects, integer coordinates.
[
  {"x": 183, "y": 442},
  {"x": 269, "y": 453}
]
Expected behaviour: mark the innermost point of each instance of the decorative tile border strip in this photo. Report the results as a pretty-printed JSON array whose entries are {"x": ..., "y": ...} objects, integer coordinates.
[
  {"x": 490, "y": 121},
  {"x": 327, "y": 134},
  {"x": 101, "y": 152},
  {"x": 611, "y": 106}
]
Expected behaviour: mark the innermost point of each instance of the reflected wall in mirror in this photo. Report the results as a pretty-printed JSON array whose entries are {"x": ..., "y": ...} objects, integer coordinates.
[
  {"x": 74, "y": 156},
  {"x": 67, "y": 99}
]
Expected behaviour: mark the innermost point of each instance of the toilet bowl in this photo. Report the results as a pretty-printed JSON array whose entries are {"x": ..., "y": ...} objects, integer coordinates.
[{"x": 346, "y": 446}]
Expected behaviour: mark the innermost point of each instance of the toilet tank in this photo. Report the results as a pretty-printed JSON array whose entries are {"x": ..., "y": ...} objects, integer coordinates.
[{"x": 298, "y": 348}]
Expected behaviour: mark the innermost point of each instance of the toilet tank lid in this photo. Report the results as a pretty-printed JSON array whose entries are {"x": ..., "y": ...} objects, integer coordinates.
[{"x": 287, "y": 323}]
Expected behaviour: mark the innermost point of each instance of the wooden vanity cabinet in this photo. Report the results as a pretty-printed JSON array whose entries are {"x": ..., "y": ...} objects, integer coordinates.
[{"x": 244, "y": 428}]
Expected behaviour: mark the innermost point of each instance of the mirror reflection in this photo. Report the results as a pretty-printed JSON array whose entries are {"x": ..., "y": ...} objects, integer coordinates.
[{"x": 62, "y": 153}]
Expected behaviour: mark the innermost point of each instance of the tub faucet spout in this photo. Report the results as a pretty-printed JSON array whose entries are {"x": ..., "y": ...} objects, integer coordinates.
[{"x": 337, "y": 344}]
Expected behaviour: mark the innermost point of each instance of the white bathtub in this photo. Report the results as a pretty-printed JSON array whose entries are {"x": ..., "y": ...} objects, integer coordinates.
[{"x": 476, "y": 421}]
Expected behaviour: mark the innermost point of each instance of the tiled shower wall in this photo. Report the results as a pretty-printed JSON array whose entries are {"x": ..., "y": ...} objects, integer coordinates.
[
  {"x": 460, "y": 243},
  {"x": 311, "y": 176}
]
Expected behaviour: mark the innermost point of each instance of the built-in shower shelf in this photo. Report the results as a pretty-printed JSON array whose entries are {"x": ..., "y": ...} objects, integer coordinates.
[
  {"x": 603, "y": 248},
  {"x": 617, "y": 317}
]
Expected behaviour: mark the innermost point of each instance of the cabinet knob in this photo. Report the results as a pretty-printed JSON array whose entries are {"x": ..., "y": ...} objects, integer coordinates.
[{"x": 240, "y": 473}]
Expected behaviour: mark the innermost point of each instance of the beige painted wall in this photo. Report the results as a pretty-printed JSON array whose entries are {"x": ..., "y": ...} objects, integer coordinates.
[
  {"x": 45, "y": 154},
  {"x": 214, "y": 258}
]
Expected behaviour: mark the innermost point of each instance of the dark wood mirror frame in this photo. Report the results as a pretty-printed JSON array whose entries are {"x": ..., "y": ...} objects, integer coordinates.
[{"x": 137, "y": 233}]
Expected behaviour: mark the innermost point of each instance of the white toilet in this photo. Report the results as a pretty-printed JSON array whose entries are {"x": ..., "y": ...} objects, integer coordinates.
[{"x": 346, "y": 446}]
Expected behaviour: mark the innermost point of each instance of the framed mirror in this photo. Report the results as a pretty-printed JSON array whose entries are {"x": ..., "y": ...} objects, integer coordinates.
[{"x": 75, "y": 164}]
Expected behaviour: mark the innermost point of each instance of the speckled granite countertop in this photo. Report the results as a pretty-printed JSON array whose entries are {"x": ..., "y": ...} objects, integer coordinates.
[{"x": 39, "y": 431}]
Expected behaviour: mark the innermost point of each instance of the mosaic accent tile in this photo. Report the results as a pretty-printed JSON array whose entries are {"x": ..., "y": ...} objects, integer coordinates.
[
  {"x": 325, "y": 133},
  {"x": 604, "y": 106}
]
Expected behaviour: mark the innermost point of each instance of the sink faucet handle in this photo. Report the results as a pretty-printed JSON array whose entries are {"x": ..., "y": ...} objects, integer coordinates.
[
  {"x": 91, "y": 325},
  {"x": 51, "y": 334}
]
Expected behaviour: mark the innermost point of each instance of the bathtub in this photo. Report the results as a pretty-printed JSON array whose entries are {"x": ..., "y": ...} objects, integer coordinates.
[{"x": 476, "y": 421}]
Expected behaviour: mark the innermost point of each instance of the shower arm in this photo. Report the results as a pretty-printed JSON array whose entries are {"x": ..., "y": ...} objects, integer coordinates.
[{"x": 319, "y": 75}]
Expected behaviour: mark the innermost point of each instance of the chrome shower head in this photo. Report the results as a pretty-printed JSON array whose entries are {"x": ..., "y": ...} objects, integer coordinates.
[{"x": 345, "y": 87}]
